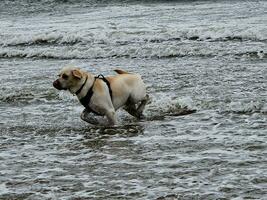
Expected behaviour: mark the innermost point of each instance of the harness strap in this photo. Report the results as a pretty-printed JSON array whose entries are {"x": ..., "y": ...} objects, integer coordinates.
[
  {"x": 101, "y": 76},
  {"x": 85, "y": 101},
  {"x": 87, "y": 98}
]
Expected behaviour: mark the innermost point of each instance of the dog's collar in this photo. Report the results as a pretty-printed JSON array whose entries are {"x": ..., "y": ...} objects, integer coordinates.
[{"x": 78, "y": 91}]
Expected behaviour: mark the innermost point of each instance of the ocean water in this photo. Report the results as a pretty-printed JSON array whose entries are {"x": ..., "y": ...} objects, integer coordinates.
[{"x": 207, "y": 56}]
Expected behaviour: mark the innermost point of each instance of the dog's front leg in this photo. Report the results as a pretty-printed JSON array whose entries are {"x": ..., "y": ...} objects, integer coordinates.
[
  {"x": 88, "y": 117},
  {"x": 111, "y": 115}
]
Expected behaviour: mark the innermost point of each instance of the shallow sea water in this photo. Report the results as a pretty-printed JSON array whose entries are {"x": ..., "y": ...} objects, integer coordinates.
[{"x": 197, "y": 55}]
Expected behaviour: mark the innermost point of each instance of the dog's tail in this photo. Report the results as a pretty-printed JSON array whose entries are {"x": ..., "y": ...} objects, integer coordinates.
[{"x": 119, "y": 71}]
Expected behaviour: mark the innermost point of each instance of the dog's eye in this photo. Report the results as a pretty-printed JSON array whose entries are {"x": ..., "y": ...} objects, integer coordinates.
[{"x": 64, "y": 76}]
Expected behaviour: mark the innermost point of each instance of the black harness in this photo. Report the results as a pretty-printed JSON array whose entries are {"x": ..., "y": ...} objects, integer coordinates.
[{"x": 85, "y": 101}]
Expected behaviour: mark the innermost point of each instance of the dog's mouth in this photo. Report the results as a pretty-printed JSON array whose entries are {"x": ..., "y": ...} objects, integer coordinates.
[{"x": 58, "y": 86}]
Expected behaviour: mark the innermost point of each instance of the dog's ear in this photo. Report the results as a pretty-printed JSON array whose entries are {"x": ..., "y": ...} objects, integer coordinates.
[{"x": 76, "y": 73}]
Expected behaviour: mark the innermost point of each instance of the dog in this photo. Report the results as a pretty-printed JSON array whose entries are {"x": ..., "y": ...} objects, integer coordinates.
[{"x": 104, "y": 95}]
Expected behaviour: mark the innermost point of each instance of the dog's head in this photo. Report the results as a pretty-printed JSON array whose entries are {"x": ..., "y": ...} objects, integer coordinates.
[{"x": 69, "y": 78}]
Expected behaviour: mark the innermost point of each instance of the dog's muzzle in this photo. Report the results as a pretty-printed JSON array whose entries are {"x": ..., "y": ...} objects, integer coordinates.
[{"x": 57, "y": 85}]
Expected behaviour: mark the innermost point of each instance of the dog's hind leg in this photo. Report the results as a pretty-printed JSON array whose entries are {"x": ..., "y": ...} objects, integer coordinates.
[
  {"x": 88, "y": 117},
  {"x": 141, "y": 107},
  {"x": 130, "y": 107}
]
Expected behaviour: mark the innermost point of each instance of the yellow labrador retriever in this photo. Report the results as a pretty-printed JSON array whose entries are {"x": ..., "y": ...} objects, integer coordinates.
[{"x": 104, "y": 95}]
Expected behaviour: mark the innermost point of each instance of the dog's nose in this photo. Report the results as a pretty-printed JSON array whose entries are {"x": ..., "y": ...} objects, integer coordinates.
[{"x": 56, "y": 84}]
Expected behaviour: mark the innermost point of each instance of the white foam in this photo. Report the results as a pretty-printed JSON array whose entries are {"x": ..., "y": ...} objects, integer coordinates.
[
  {"x": 161, "y": 104},
  {"x": 243, "y": 107}
]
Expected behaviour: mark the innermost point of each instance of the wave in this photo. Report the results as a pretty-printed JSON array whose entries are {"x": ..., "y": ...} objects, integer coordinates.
[
  {"x": 132, "y": 53},
  {"x": 102, "y": 53},
  {"x": 124, "y": 37},
  {"x": 42, "y": 39},
  {"x": 96, "y": 44}
]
